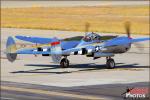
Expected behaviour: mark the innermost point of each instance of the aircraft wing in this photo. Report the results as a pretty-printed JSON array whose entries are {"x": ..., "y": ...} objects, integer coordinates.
[
  {"x": 69, "y": 44},
  {"x": 47, "y": 48},
  {"x": 41, "y": 40},
  {"x": 123, "y": 41},
  {"x": 38, "y": 40},
  {"x": 75, "y": 38},
  {"x": 66, "y": 43},
  {"x": 113, "y": 42}
]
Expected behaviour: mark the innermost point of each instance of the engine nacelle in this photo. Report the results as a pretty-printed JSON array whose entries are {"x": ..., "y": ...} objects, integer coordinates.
[{"x": 117, "y": 49}]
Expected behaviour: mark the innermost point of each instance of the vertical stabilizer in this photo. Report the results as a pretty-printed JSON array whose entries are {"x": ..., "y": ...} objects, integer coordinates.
[{"x": 11, "y": 49}]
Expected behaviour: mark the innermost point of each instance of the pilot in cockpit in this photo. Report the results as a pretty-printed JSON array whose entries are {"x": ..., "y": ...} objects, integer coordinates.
[{"x": 91, "y": 37}]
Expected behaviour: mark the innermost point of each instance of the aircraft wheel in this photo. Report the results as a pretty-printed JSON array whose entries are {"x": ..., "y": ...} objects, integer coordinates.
[
  {"x": 64, "y": 63},
  {"x": 110, "y": 63}
]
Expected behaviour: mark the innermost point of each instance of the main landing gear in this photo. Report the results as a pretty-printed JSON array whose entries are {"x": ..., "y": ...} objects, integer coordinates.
[
  {"x": 110, "y": 63},
  {"x": 64, "y": 63}
]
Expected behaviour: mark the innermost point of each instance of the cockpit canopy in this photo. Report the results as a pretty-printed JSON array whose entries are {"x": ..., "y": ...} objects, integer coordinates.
[{"x": 91, "y": 37}]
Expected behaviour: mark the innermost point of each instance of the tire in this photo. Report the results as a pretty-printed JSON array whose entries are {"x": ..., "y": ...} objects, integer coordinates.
[
  {"x": 64, "y": 63},
  {"x": 11, "y": 56},
  {"x": 110, "y": 64}
]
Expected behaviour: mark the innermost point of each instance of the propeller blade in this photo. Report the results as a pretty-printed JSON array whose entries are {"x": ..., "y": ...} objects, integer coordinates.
[
  {"x": 87, "y": 26},
  {"x": 127, "y": 27}
]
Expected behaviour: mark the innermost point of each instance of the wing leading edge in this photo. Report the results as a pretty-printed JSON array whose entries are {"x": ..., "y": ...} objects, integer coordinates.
[{"x": 38, "y": 40}]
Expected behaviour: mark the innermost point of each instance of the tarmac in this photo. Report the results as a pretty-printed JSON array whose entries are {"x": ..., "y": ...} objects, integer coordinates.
[
  {"x": 31, "y": 77},
  {"x": 33, "y": 3},
  {"x": 38, "y": 78}
]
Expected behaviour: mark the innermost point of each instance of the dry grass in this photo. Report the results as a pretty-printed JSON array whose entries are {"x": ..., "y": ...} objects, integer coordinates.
[{"x": 101, "y": 19}]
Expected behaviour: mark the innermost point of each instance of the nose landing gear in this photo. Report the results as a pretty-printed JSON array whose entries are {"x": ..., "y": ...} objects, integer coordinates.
[{"x": 110, "y": 63}]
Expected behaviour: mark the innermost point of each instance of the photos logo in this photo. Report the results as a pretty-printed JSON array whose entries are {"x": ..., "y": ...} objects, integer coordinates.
[{"x": 136, "y": 93}]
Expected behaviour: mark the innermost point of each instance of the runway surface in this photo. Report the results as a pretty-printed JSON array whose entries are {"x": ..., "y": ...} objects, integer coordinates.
[
  {"x": 15, "y": 4},
  {"x": 31, "y": 77},
  {"x": 17, "y": 91}
]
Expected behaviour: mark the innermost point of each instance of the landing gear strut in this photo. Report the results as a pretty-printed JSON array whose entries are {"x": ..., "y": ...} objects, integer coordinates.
[
  {"x": 110, "y": 63},
  {"x": 64, "y": 63}
]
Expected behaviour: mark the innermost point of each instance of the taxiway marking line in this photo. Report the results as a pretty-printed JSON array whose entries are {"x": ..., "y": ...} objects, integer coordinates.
[
  {"x": 37, "y": 91},
  {"x": 5, "y": 98}
]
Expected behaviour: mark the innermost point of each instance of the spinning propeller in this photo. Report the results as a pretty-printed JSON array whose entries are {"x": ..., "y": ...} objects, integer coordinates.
[
  {"x": 87, "y": 26},
  {"x": 139, "y": 46},
  {"x": 87, "y": 29},
  {"x": 128, "y": 32},
  {"x": 127, "y": 27}
]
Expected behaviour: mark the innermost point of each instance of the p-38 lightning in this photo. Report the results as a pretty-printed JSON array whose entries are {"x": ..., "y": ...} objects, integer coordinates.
[{"x": 91, "y": 45}]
